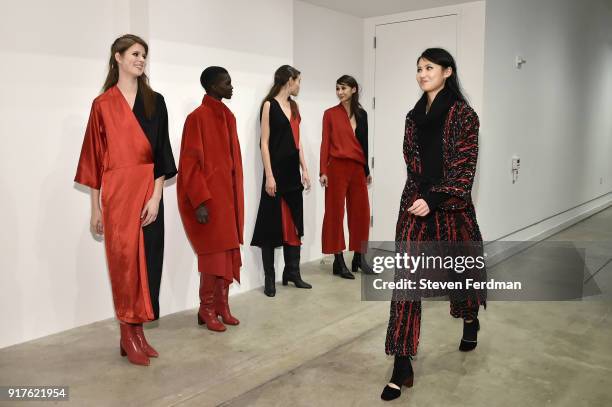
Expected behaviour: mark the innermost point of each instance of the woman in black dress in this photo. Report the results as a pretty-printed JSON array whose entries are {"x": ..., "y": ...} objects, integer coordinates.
[
  {"x": 440, "y": 150},
  {"x": 280, "y": 215}
]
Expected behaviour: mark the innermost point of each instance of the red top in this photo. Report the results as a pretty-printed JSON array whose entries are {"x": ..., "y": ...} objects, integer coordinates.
[
  {"x": 339, "y": 138},
  {"x": 295, "y": 129}
]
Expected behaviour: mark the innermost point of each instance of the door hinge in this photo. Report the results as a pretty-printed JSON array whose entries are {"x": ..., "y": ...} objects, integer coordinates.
[
  {"x": 372, "y": 221},
  {"x": 372, "y": 162},
  {"x": 374, "y": 102},
  {"x": 374, "y": 42}
]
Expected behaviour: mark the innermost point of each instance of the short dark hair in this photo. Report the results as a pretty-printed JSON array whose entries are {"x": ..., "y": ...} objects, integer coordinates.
[{"x": 210, "y": 75}]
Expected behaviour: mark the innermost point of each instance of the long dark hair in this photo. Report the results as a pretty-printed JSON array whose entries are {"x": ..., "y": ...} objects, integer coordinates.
[
  {"x": 440, "y": 56},
  {"x": 281, "y": 77},
  {"x": 349, "y": 81},
  {"x": 121, "y": 45}
]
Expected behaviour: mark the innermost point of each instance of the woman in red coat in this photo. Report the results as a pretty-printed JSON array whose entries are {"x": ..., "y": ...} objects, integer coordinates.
[
  {"x": 125, "y": 159},
  {"x": 210, "y": 196},
  {"x": 345, "y": 174},
  {"x": 441, "y": 151}
]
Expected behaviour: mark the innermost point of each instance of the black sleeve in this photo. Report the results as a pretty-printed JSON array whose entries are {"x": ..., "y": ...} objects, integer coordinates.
[
  {"x": 434, "y": 199},
  {"x": 164, "y": 160},
  {"x": 363, "y": 139}
]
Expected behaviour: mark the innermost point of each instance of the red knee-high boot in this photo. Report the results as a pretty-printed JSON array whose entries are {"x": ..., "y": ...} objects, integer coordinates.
[
  {"x": 206, "y": 314},
  {"x": 222, "y": 302}
]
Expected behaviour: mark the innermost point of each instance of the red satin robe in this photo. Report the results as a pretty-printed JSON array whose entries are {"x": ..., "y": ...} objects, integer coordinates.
[
  {"x": 210, "y": 172},
  {"x": 116, "y": 157}
]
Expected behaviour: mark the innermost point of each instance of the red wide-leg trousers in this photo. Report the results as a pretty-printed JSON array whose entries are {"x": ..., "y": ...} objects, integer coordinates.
[{"x": 346, "y": 183}]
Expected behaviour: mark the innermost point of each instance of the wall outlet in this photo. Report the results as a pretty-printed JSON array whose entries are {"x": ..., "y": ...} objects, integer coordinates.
[{"x": 516, "y": 166}]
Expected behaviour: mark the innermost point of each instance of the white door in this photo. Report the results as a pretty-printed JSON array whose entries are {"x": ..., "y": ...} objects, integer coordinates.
[{"x": 398, "y": 45}]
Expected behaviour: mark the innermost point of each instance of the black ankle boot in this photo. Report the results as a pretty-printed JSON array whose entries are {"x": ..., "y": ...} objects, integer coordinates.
[
  {"x": 403, "y": 375},
  {"x": 470, "y": 335},
  {"x": 339, "y": 267},
  {"x": 291, "y": 272},
  {"x": 267, "y": 255},
  {"x": 356, "y": 263}
]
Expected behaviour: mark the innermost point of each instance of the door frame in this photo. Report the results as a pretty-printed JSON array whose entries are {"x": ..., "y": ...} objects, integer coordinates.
[{"x": 469, "y": 57}]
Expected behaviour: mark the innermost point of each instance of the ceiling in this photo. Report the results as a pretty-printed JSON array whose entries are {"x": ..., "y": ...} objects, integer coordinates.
[{"x": 374, "y": 8}]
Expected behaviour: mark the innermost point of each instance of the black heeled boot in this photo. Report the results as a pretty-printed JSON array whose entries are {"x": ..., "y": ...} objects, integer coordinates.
[
  {"x": 267, "y": 255},
  {"x": 291, "y": 272},
  {"x": 356, "y": 263},
  {"x": 403, "y": 375},
  {"x": 339, "y": 267},
  {"x": 470, "y": 335}
]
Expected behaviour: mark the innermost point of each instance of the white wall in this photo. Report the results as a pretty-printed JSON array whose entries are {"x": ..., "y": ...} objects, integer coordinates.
[
  {"x": 327, "y": 44},
  {"x": 554, "y": 113},
  {"x": 53, "y": 273},
  {"x": 470, "y": 60},
  {"x": 250, "y": 42},
  {"x": 53, "y": 55}
]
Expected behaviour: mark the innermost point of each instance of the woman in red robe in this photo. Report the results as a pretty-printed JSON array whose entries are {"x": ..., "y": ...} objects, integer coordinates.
[
  {"x": 211, "y": 198},
  {"x": 345, "y": 174},
  {"x": 125, "y": 159}
]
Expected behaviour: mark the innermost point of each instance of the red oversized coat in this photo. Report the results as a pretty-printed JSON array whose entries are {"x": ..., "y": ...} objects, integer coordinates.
[{"x": 210, "y": 172}]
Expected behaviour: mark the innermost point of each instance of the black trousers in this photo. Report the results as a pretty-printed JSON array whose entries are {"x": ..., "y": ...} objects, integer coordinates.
[{"x": 154, "y": 253}]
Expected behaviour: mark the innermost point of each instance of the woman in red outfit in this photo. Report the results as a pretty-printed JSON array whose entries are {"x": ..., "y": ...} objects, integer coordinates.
[
  {"x": 345, "y": 174},
  {"x": 211, "y": 198},
  {"x": 125, "y": 159}
]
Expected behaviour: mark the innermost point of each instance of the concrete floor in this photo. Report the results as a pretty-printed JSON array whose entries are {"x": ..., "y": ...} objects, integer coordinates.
[{"x": 325, "y": 347}]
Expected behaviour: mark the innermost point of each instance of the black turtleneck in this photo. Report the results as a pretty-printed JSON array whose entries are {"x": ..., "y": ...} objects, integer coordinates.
[{"x": 430, "y": 129}]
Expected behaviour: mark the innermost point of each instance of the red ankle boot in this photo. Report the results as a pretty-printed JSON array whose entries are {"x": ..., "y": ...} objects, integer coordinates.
[
  {"x": 206, "y": 314},
  {"x": 142, "y": 341},
  {"x": 222, "y": 302},
  {"x": 130, "y": 347}
]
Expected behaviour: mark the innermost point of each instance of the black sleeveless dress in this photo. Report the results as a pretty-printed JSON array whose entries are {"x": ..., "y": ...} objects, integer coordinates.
[{"x": 285, "y": 161}]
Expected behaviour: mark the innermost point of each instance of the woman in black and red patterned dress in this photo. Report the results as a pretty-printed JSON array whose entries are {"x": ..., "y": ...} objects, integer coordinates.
[{"x": 440, "y": 150}]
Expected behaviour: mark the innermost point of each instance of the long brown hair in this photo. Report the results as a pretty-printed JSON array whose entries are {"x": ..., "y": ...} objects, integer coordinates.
[
  {"x": 281, "y": 77},
  {"x": 121, "y": 45},
  {"x": 348, "y": 80}
]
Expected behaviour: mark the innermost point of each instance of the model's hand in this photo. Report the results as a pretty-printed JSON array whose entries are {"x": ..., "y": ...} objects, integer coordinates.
[
  {"x": 270, "y": 186},
  {"x": 96, "y": 222},
  {"x": 149, "y": 212},
  {"x": 202, "y": 214},
  {"x": 419, "y": 208},
  {"x": 306, "y": 180},
  {"x": 369, "y": 179},
  {"x": 323, "y": 181}
]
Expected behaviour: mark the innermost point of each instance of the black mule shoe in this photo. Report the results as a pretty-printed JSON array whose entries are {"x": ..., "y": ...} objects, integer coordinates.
[
  {"x": 470, "y": 335},
  {"x": 339, "y": 267},
  {"x": 403, "y": 375}
]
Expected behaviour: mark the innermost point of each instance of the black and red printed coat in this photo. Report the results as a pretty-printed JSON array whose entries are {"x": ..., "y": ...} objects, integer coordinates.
[{"x": 455, "y": 218}]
